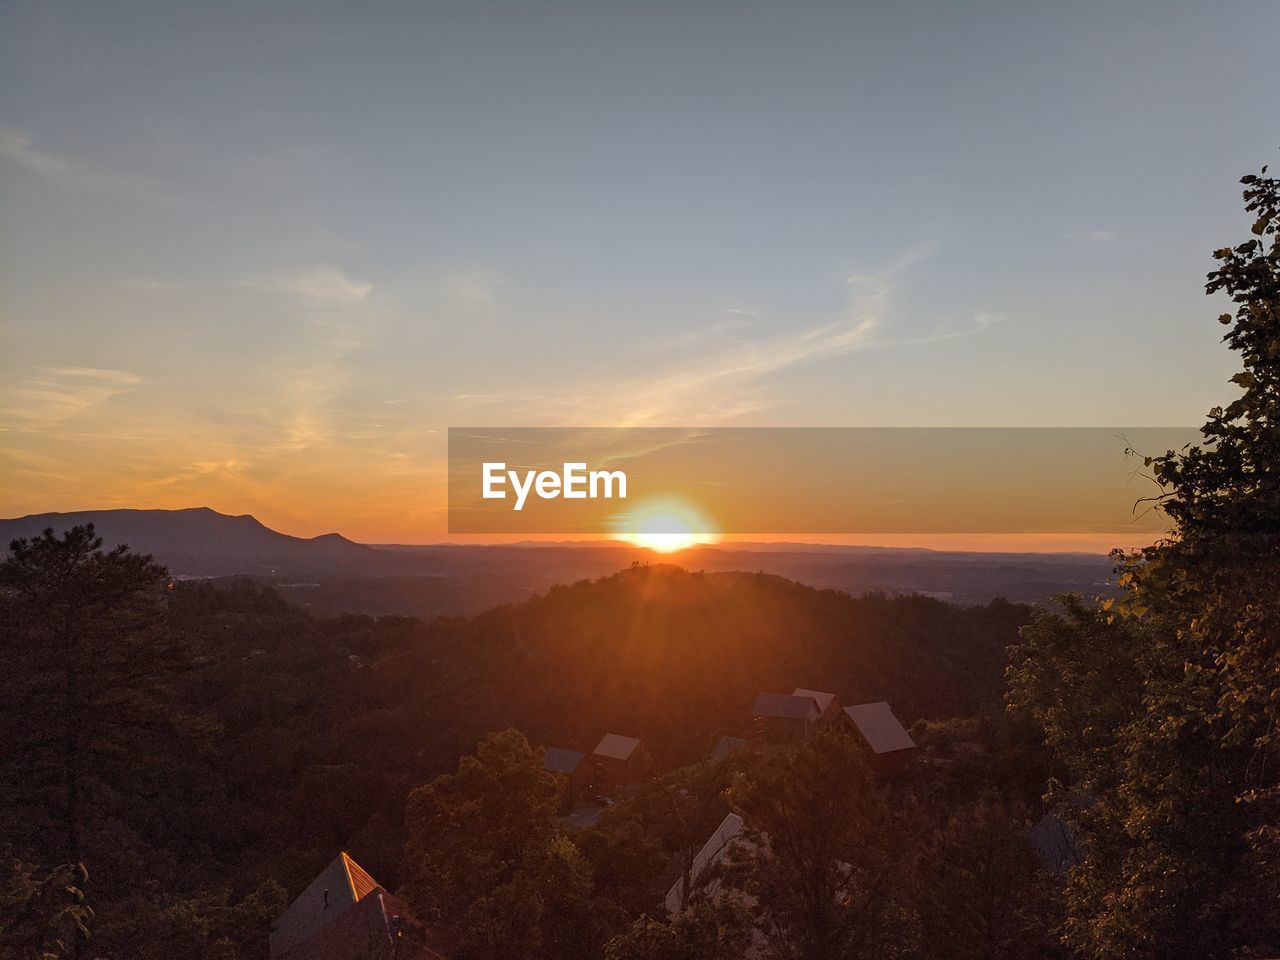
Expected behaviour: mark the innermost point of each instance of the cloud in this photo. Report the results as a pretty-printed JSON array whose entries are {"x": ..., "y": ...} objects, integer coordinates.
[
  {"x": 730, "y": 376},
  {"x": 480, "y": 287},
  {"x": 56, "y": 394},
  {"x": 19, "y": 147},
  {"x": 322, "y": 287},
  {"x": 979, "y": 323}
]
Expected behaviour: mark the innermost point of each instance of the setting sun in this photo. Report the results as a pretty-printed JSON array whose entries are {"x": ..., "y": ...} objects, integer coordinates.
[{"x": 665, "y": 526}]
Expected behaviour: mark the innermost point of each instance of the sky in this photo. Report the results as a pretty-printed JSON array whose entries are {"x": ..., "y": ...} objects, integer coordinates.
[{"x": 260, "y": 257}]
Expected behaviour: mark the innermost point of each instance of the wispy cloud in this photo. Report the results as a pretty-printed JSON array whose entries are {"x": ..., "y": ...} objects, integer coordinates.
[
  {"x": 55, "y": 394},
  {"x": 979, "y": 323},
  {"x": 477, "y": 287},
  {"x": 723, "y": 382},
  {"x": 324, "y": 286},
  {"x": 21, "y": 149},
  {"x": 731, "y": 375}
]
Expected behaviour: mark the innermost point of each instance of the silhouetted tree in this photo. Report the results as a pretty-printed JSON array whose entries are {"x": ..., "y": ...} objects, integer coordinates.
[
  {"x": 1164, "y": 704},
  {"x": 43, "y": 917},
  {"x": 822, "y": 857}
]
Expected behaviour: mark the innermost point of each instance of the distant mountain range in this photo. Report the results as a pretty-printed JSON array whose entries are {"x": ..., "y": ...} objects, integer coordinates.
[
  {"x": 330, "y": 573},
  {"x": 199, "y": 541}
]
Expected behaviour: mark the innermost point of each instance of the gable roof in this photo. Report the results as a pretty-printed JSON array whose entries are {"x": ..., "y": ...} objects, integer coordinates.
[
  {"x": 338, "y": 887},
  {"x": 560, "y": 760},
  {"x": 614, "y": 746},
  {"x": 379, "y": 927},
  {"x": 726, "y": 746},
  {"x": 823, "y": 700},
  {"x": 879, "y": 727},
  {"x": 713, "y": 851},
  {"x": 786, "y": 706}
]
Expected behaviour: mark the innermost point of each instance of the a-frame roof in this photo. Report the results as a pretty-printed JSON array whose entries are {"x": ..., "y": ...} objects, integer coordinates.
[{"x": 334, "y": 890}]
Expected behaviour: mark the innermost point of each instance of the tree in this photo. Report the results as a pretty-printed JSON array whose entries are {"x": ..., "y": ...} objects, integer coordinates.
[
  {"x": 1178, "y": 759},
  {"x": 469, "y": 831},
  {"x": 984, "y": 895},
  {"x": 43, "y": 917},
  {"x": 821, "y": 852},
  {"x": 702, "y": 931},
  {"x": 485, "y": 857},
  {"x": 95, "y": 738}
]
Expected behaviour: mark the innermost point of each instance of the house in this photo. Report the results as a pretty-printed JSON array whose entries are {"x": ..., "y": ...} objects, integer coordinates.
[
  {"x": 726, "y": 746},
  {"x": 888, "y": 739},
  {"x": 1055, "y": 844},
  {"x": 572, "y": 771},
  {"x": 829, "y": 710},
  {"x": 785, "y": 718},
  {"x": 344, "y": 914},
  {"x": 620, "y": 761},
  {"x": 706, "y": 882},
  {"x": 726, "y": 836}
]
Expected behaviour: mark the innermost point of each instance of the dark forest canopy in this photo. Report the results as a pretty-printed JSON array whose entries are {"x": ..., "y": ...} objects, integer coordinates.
[{"x": 288, "y": 736}]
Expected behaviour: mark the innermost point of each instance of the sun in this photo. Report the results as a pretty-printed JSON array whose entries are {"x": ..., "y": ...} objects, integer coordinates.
[{"x": 665, "y": 526}]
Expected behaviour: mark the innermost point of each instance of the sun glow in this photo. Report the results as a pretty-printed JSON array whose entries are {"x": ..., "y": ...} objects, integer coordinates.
[{"x": 665, "y": 526}]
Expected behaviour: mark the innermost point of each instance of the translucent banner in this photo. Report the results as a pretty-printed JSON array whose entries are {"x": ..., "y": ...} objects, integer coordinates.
[{"x": 624, "y": 481}]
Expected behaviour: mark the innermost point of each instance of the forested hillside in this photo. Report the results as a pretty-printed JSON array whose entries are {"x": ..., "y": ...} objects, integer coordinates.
[{"x": 274, "y": 738}]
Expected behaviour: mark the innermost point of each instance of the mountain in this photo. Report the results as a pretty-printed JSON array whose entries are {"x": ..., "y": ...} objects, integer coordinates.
[
  {"x": 202, "y": 542},
  {"x": 331, "y": 574}
]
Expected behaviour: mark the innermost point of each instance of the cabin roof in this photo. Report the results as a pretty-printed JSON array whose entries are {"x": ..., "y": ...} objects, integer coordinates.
[
  {"x": 726, "y": 746},
  {"x": 785, "y": 705},
  {"x": 823, "y": 700},
  {"x": 879, "y": 727},
  {"x": 560, "y": 760},
  {"x": 339, "y": 886},
  {"x": 713, "y": 851},
  {"x": 614, "y": 746}
]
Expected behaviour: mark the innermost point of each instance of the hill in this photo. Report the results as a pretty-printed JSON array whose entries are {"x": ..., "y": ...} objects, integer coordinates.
[
  {"x": 331, "y": 574},
  {"x": 200, "y": 541}
]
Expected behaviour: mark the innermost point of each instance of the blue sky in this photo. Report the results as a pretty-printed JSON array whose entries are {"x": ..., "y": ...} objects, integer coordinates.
[{"x": 260, "y": 256}]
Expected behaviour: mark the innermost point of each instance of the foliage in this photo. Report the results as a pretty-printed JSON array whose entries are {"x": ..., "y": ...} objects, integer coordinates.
[
  {"x": 43, "y": 917},
  {"x": 1163, "y": 705},
  {"x": 704, "y": 931},
  {"x": 984, "y": 896},
  {"x": 821, "y": 852}
]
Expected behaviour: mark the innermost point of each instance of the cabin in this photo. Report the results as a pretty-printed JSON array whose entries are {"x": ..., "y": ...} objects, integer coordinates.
[
  {"x": 572, "y": 771},
  {"x": 706, "y": 882},
  {"x": 830, "y": 713},
  {"x": 1054, "y": 843},
  {"x": 890, "y": 744},
  {"x": 726, "y": 746},
  {"x": 620, "y": 762},
  {"x": 717, "y": 847},
  {"x": 344, "y": 914},
  {"x": 785, "y": 718}
]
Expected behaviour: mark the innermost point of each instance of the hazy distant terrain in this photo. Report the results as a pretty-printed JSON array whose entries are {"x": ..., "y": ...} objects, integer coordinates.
[{"x": 333, "y": 574}]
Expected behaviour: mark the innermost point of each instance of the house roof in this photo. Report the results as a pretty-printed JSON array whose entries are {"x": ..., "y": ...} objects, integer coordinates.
[
  {"x": 614, "y": 746},
  {"x": 786, "y": 706},
  {"x": 726, "y": 746},
  {"x": 377, "y": 928},
  {"x": 713, "y": 851},
  {"x": 560, "y": 760},
  {"x": 879, "y": 727},
  {"x": 1054, "y": 843},
  {"x": 823, "y": 700},
  {"x": 338, "y": 887}
]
